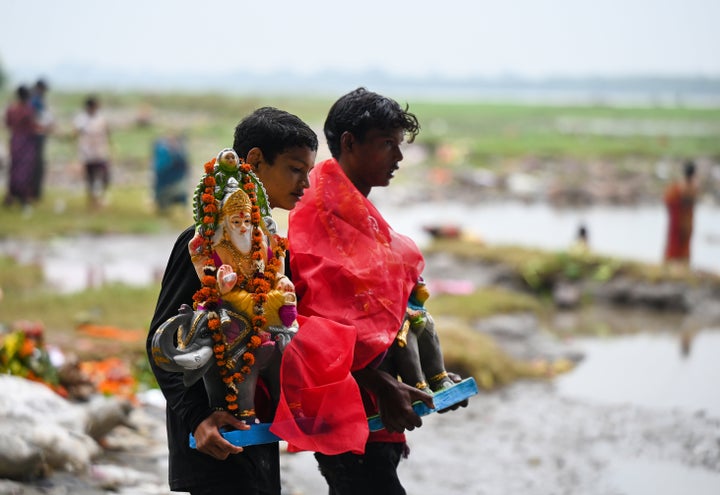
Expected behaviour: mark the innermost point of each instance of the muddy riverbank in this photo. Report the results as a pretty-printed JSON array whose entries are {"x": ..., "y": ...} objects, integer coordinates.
[{"x": 525, "y": 439}]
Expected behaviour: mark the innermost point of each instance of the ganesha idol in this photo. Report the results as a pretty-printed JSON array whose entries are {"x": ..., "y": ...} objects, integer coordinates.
[{"x": 245, "y": 312}]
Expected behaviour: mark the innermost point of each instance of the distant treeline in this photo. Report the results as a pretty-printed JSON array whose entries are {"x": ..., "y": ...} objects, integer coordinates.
[{"x": 645, "y": 89}]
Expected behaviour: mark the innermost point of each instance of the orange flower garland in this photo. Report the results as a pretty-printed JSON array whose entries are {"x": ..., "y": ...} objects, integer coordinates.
[{"x": 208, "y": 296}]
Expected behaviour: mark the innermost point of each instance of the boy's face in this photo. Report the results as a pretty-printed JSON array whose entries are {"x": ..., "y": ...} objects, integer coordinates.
[
  {"x": 287, "y": 178},
  {"x": 373, "y": 162}
]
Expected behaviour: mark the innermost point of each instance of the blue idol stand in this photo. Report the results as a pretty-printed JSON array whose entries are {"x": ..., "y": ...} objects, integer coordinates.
[
  {"x": 260, "y": 433},
  {"x": 441, "y": 400},
  {"x": 257, "y": 434}
]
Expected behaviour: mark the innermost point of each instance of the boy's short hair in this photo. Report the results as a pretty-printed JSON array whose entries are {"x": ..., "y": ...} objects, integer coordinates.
[
  {"x": 361, "y": 110},
  {"x": 273, "y": 131}
]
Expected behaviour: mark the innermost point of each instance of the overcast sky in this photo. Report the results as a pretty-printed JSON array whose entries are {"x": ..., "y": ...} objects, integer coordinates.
[{"x": 535, "y": 38}]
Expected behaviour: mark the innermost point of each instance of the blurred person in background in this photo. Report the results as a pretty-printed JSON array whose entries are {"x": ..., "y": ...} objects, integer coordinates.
[
  {"x": 170, "y": 167},
  {"x": 45, "y": 123},
  {"x": 680, "y": 199},
  {"x": 93, "y": 138},
  {"x": 23, "y": 126},
  {"x": 581, "y": 244}
]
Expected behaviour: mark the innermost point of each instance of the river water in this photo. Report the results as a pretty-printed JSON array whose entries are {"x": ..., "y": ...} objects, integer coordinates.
[{"x": 636, "y": 233}]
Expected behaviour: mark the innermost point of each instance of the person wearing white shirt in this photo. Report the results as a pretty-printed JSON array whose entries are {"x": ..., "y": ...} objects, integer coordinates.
[{"x": 93, "y": 135}]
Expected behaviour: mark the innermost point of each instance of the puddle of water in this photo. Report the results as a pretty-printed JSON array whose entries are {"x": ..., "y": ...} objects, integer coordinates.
[
  {"x": 74, "y": 264},
  {"x": 649, "y": 370},
  {"x": 132, "y": 260},
  {"x": 643, "y": 477}
]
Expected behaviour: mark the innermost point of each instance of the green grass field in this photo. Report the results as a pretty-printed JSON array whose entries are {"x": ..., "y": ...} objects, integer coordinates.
[{"x": 487, "y": 133}]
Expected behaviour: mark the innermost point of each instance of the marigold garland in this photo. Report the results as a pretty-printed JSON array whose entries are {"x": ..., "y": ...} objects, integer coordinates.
[{"x": 262, "y": 281}]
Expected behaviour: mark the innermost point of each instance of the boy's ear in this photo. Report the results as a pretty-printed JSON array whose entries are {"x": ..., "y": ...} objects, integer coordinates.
[
  {"x": 254, "y": 157},
  {"x": 346, "y": 141}
]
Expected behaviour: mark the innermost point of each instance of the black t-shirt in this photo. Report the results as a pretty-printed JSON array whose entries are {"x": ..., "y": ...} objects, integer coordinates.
[{"x": 255, "y": 470}]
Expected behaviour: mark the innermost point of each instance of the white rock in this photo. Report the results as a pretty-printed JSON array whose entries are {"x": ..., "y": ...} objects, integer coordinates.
[{"x": 40, "y": 431}]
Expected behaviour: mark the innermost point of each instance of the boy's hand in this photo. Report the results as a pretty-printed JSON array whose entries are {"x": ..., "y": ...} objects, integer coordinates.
[
  {"x": 209, "y": 440},
  {"x": 395, "y": 399}
]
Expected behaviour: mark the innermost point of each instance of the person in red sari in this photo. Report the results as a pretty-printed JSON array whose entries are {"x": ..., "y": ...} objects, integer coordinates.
[
  {"x": 680, "y": 202},
  {"x": 353, "y": 276},
  {"x": 20, "y": 120}
]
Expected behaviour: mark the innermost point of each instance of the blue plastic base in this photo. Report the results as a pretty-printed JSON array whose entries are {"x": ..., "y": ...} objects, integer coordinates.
[
  {"x": 260, "y": 433},
  {"x": 257, "y": 434},
  {"x": 441, "y": 400}
]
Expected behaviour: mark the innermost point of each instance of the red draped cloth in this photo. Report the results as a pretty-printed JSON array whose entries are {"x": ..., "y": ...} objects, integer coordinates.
[
  {"x": 679, "y": 201},
  {"x": 353, "y": 275}
]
